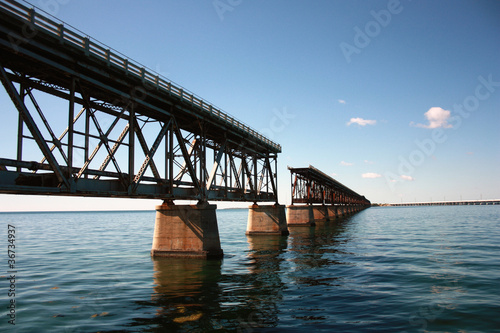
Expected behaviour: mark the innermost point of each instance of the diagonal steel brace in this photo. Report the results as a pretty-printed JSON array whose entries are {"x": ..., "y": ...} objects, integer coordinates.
[{"x": 30, "y": 123}]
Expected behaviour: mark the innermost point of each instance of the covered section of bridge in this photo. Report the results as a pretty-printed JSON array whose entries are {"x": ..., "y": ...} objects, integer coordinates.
[{"x": 318, "y": 197}]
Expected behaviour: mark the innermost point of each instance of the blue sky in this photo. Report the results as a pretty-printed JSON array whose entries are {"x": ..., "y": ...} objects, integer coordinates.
[{"x": 398, "y": 100}]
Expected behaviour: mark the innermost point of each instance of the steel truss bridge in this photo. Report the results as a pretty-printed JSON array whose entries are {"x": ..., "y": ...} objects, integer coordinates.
[
  {"x": 311, "y": 186},
  {"x": 91, "y": 122}
]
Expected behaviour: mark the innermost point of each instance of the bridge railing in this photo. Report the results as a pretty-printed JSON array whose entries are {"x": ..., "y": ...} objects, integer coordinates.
[{"x": 92, "y": 47}]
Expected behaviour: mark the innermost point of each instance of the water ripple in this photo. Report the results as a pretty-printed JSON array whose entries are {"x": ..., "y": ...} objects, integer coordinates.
[{"x": 409, "y": 269}]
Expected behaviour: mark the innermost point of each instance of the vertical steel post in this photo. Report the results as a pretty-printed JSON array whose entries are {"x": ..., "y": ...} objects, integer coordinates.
[
  {"x": 309, "y": 192},
  {"x": 230, "y": 175},
  {"x": 225, "y": 168},
  {"x": 71, "y": 122},
  {"x": 167, "y": 163},
  {"x": 87, "y": 137},
  {"x": 131, "y": 145},
  {"x": 243, "y": 183},
  {"x": 255, "y": 184},
  {"x": 195, "y": 148},
  {"x": 203, "y": 163},
  {"x": 171, "y": 158},
  {"x": 20, "y": 129}
]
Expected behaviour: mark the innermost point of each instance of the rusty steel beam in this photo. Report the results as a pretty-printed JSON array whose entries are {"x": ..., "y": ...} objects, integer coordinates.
[
  {"x": 134, "y": 114},
  {"x": 312, "y": 186}
]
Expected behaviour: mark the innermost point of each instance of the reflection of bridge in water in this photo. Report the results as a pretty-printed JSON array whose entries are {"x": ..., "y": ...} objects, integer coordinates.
[
  {"x": 93, "y": 123},
  {"x": 191, "y": 294},
  {"x": 248, "y": 293}
]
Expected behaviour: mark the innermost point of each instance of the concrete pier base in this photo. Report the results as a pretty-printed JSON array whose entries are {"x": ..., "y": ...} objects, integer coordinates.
[
  {"x": 341, "y": 211},
  {"x": 332, "y": 212},
  {"x": 300, "y": 215},
  {"x": 267, "y": 220},
  {"x": 320, "y": 213},
  {"x": 186, "y": 231}
]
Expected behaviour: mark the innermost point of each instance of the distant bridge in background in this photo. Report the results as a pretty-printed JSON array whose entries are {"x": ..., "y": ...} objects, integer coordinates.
[
  {"x": 447, "y": 203},
  {"x": 317, "y": 197},
  {"x": 312, "y": 186}
]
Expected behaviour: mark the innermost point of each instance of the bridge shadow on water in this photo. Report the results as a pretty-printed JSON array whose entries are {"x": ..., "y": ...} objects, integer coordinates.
[{"x": 244, "y": 293}]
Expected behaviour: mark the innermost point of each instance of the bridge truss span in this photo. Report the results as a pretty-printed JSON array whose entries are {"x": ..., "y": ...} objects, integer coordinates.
[
  {"x": 91, "y": 122},
  {"x": 312, "y": 186}
]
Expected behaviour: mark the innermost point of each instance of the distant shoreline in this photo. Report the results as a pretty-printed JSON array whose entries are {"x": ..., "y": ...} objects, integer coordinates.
[{"x": 443, "y": 203}]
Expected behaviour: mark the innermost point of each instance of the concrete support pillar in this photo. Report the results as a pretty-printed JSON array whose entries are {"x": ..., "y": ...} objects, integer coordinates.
[
  {"x": 300, "y": 215},
  {"x": 186, "y": 231},
  {"x": 267, "y": 220},
  {"x": 320, "y": 213},
  {"x": 341, "y": 210},
  {"x": 332, "y": 212}
]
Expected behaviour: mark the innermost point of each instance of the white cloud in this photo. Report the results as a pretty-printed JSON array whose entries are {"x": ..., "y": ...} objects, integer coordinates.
[
  {"x": 437, "y": 117},
  {"x": 346, "y": 163},
  {"x": 369, "y": 162},
  {"x": 371, "y": 175},
  {"x": 405, "y": 177},
  {"x": 341, "y": 101},
  {"x": 361, "y": 122}
]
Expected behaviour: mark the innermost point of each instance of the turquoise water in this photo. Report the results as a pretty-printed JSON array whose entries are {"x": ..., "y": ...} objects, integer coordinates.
[{"x": 386, "y": 269}]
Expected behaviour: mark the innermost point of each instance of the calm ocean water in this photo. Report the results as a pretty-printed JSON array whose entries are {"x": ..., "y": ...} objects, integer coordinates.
[{"x": 387, "y": 269}]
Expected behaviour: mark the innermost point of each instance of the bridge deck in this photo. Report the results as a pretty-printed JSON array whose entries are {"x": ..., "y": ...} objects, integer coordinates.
[{"x": 50, "y": 48}]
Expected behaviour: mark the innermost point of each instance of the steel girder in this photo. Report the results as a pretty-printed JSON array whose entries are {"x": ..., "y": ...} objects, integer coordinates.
[
  {"x": 93, "y": 124},
  {"x": 107, "y": 151},
  {"x": 311, "y": 186}
]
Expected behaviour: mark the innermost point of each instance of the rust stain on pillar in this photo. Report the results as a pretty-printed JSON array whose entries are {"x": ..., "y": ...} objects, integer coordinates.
[
  {"x": 186, "y": 231},
  {"x": 267, "y": 220}
]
